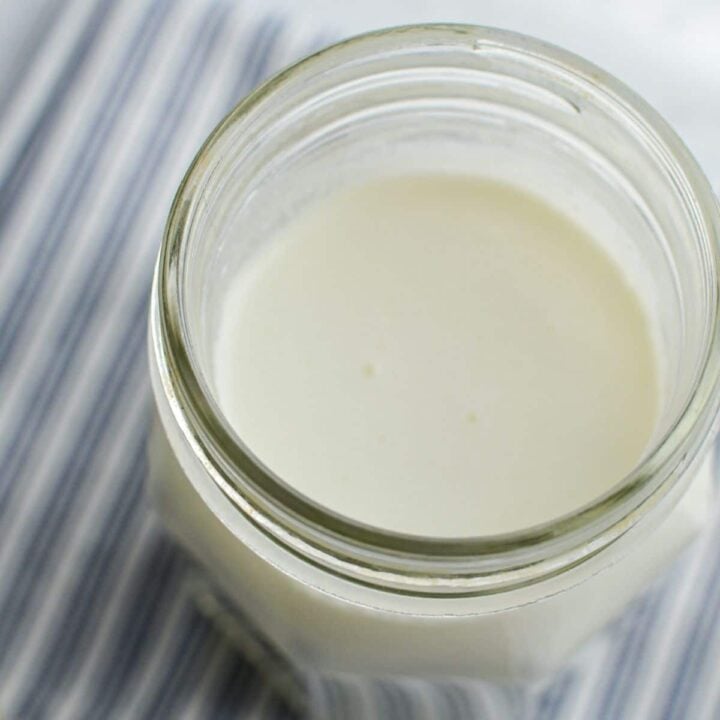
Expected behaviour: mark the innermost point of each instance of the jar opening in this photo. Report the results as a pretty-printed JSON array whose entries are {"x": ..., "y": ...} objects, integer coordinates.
[{"x": 463, "y": 98}]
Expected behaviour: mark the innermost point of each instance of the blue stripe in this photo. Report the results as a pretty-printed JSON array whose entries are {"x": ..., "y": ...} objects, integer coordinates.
[
  {"x": 181, "y": 682},
  {"x": 473, "y": 707},
  {"x": 553, "y": 704},
  {"x": 238, "y": 688},
  {"x": 86, "y": 302},
  {"x": 39, "y": 38},
  {"x": 155, "y": 583},
  {"x": 716, "y": 710},
  {"x": 40, "y": 548},
  {"x": 157, "y": 578},
  {"x": 189, "y": 651},
  {"x": 352, "y": 697},
  {"x": 18, "y": 176},
  {"x": 687, "y": 667},
  {"x": 382, "y": 700},
  {"x": 632, "y": 656},
  {"x": 255, "y": 61},
  {"x": 456, "y": 702},
  {"x": 344, "y": 701},
  {"x": 81, "y": 611},
  {"x": 53, "y": 236},
  {"x": 547, "y": 701},
  {"x": 210, "y": 39},
  {"x": 626, "y": 672},
  {"x": 397, "y": 700},
  {"x": 49, "y": 523}
]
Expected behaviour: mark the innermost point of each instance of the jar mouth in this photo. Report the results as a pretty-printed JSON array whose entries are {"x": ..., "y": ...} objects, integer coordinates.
[{"x": 351, "y": 548}]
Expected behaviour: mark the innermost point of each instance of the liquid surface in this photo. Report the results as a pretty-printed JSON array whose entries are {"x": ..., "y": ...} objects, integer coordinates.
[{"x": 440, "y": 356}]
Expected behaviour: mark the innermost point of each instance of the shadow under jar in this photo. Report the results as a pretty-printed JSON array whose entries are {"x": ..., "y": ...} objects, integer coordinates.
[{"x": 339, "y": 596}]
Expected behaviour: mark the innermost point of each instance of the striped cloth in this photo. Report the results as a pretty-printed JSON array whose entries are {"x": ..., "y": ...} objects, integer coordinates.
[{"x": 97, "y": 619}]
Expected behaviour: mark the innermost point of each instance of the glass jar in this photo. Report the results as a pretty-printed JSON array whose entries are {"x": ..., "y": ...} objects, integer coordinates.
[{"x": 339, "y": 597}]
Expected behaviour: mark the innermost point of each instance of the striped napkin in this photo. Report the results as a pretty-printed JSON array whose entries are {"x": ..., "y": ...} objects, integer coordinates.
[{"x": 97, "y": 614}]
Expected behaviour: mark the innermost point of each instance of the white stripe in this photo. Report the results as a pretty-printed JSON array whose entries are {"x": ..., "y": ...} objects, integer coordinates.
[
  {"x": 430, "y": 701},
  {"x": 83, "y": 684},
  {"x": 128, "y": 282},
  {"x": 675, "y": 622},
  {"x": 590, "y": 665},
  {"x": 63, "y": 425},
  {"x": 66, "y": 140},
  {"x": 706, "y": 696},
  {"x": 34, "y": 89},
  {"x": 93, "y": 360},
  {"x": 84, "y": 374},
  {"x": 198, "y": 705},
  {"x": 141, "y": 690},
  {"x": 675, "y": 632},
  {"x": 487, "y": 701},
  {"x": 68, "y": 559},
  {"x": 688, "y": 661},
  {"x": 142, "y": 261},
  {"x": 118, "y": 159},
  {"x": 708, "y": 705},
  {"x": 107, "y": 465}
]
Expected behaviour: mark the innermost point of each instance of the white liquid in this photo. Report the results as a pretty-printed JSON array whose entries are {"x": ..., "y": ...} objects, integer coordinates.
[{"x": 440, "y": 356}]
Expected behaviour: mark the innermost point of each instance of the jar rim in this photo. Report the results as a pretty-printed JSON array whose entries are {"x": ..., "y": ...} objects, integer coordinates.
[{"x": 351, "y": 548}]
